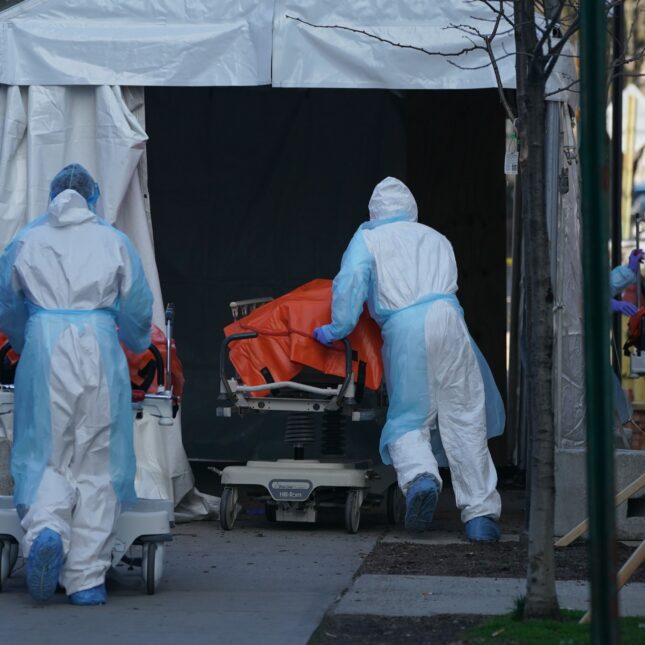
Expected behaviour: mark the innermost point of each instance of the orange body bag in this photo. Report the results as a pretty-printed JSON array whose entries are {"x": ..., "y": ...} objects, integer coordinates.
[
  {"x": 285, "y": 343},
  {"x": 143, "y": 376}
]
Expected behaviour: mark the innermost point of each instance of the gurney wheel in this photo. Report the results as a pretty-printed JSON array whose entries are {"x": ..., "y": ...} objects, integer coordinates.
[
  {"x": 228, "y": 508},
  {"x": 152, "y": 565},
  {"x": 8, "y": 556},
  {"x": 270, "y": 512},
  {"x": 3, "y": 573},
  {"x": 151, "y": 556},
  {"x": 353, "y": 511},
  {"x": 395, "y": 504}
]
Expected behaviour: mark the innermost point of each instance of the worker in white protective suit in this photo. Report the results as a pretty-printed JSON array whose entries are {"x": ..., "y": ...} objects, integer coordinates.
[
  {"x": 434, "y": 373},
  {"x": 71, "y": 286}
]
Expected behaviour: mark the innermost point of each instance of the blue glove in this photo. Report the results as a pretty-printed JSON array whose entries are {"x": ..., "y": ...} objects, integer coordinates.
[
  {"x": 622, "y": 307},
  {"x": 320, "y": 334},
  {"x": 635, "y": 260}
]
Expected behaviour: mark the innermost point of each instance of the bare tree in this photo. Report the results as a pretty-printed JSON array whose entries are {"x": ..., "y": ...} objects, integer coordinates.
[{"x": 542, "y": 29}]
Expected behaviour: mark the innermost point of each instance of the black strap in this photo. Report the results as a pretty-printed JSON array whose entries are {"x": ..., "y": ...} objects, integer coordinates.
[
  {"x": 147, "y": 373},
  {"x": 360, "y": 381},
  {"x": 7, "y": 370}
]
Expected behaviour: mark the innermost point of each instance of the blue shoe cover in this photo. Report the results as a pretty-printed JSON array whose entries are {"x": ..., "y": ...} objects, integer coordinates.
[
  {"x": 482, "y": 529},
  {"x": 94, "y": 596},
  {"x": 44, "y": 564},
  {"x": 420, "y": 502}
]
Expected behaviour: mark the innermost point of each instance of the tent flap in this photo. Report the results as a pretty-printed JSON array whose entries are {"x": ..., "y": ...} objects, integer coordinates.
[
  {"x": 378, "y": 45},
  {"x": 125, "y": 43},
  {"x": 402, "y": 45}
]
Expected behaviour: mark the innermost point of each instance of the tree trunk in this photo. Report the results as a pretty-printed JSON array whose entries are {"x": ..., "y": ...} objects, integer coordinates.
[{"x": 541, "y": 599}]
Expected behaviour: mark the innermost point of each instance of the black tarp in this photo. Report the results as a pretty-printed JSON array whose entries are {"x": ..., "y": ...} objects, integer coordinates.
[{"x": 255, "y": 191}]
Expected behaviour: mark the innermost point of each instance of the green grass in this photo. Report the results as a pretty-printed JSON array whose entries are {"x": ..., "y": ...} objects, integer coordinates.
[{"x": 507, "y": 630}]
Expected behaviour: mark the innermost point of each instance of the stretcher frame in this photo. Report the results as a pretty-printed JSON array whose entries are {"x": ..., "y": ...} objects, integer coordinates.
[{"x": 297, "y": 488}]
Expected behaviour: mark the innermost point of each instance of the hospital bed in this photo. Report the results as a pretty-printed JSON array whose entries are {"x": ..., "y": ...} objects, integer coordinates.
[
  {"x": 297, "y": 489},
  {"x": 144, "y": 526}
]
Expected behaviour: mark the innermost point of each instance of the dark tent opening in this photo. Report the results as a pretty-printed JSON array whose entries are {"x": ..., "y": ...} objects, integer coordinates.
[{"x": 255, "y": 191}]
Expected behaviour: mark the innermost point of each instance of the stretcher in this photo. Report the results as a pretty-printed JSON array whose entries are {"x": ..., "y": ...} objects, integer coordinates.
[
  {"x": 144, "y": 526},
  {"x": 296, "y": 489}
]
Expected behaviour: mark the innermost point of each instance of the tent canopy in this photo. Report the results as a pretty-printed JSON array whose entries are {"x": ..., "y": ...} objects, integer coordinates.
[
  {"x": 129, "y": 42},
  {"x": 400, "y": 44}
]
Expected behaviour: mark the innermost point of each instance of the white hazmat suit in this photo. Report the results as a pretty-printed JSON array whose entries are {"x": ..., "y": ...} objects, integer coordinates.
[
  {"x": 67, "y": 281},
  {"x": 435, "y": 375}
]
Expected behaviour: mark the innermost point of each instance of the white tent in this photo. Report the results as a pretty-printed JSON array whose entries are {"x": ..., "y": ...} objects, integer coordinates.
[
  {"x": 129, "y": 42},
  {"x": 72, "y": 73},
  {"x": 400, "y": 44}
]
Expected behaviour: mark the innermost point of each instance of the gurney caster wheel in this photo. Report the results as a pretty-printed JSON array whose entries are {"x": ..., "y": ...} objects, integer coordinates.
[
  {"x": 353, "y": 511},
  {"x": 4, "y": 563},
  {"x": 152, "y": 565},
  {"x": 228, "y": 508},
  {"x": 394, "y": 504},
  {"x": 270, "y": 512},
  {"x": 8, "y": 557}
]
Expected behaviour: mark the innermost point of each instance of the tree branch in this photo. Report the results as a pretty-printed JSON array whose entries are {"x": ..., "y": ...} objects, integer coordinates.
[
  {"x": 556, "y": 51},
  {"x": 490, "y": 5},
  {"x": 461, "y": 52},
  {"x": 552, "y": 23},
  {"x": 474, "y": 68},
  {"x": 566, "y": 88},
  {"x": 493, "y": 61}
]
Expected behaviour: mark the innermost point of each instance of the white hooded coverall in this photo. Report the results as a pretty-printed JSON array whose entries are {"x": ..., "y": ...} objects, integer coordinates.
[
  {"x": 435, "y": 375},
  {"x": 66, "y": 282}
]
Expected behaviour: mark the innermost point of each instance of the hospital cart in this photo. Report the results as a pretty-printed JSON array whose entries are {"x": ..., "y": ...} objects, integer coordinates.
[{"x": 297, "y": 489}]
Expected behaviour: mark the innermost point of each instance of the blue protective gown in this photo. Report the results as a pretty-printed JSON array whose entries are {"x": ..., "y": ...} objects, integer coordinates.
[{"x": 71, "y": 287}]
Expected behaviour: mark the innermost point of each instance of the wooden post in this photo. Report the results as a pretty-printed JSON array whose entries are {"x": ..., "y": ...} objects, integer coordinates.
[
  {"x": 581, "y": 528},
  {"x": 626, "y": 572}
]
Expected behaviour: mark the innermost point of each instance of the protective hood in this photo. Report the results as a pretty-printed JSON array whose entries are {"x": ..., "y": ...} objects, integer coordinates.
[
  {"x": 69, "y": 208},
  {"x": 392, "y": 198}
]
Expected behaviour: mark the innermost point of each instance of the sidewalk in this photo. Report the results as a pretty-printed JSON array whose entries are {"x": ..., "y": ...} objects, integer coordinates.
[
  {"x": 259, "y": 583},
  {"x": 396, "y": 595},
  {"x": 274, "y": 583}
]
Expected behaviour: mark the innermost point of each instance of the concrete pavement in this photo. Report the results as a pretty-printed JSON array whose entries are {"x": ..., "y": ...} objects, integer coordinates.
[
  {"x": 395, "y": 595},
  {"x": 256, "y": 584},
  {"x": 272, "y": 584}
]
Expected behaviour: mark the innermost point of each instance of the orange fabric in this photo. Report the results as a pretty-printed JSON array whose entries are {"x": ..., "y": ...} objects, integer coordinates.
[
  {"x": 137, "y": 362},
  {"x": 12, "y": 356},
  {"x": 634, "y": 329},
  {"x": 285, "y": 343}
]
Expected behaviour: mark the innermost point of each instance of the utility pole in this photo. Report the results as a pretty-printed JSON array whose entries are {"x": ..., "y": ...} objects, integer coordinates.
[{"x": 595, "y": 229}]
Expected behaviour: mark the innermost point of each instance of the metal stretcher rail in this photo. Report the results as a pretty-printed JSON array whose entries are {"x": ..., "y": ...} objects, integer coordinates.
[{"x": 235, "y": 392}]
